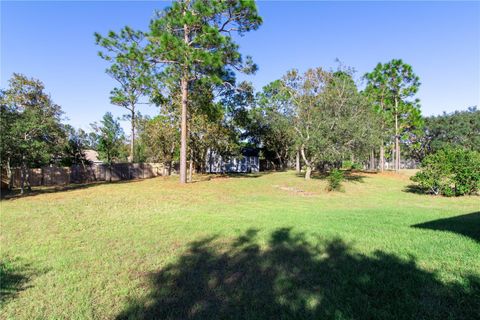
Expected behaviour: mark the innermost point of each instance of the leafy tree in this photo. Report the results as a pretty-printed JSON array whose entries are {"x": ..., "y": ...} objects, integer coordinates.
[
  {"x": 8, "y": 147},
  {"x": 450, "y": 172},
  {"x": 214, "y": 135},
  {"x": 129, "y": 67},
  {"x": 457, "y": 129},
  {"x": 192, "y": 39},
  {"x": 110, "y": 139},
  {"x": 331, "y": 118},
  {"x": 335, "y": 179},
  {"x": 160, "y": 136},
  {"x": 412, "y": 130},
  {"x": 33, "y": 133},
  {"x": 270, "y": 124},
  {"x": 378, "y": 95},
  {"x": 75, "y": 145},
  {"x": 209, "y": 129},
  {"x": 392, "y": 86},
  {"x": 140, "y": 154}
]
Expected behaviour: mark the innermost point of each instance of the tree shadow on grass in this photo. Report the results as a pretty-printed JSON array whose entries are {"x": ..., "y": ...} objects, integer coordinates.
[
  {"x": 416, "y": 189},
  {"x": 353, "y": 176},
  {"x": 15, "y": 194},
  {"x": 467, "y": 225},
  {"x": 247, "y": 175},
  {"x": 292, "y": 278},
  {"x": 204, "y": 177},
  {"x": 14, "y": 277}
]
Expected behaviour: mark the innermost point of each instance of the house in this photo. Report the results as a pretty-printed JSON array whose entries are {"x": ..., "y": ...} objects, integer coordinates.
[
  {"x": 246, "y": 163},
  {"x": 92, "y": 156}
]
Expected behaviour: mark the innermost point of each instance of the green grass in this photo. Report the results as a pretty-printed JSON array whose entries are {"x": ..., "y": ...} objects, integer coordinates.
[{"x": 269, "y": 246}]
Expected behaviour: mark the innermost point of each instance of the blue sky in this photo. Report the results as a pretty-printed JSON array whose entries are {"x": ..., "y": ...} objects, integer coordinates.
[{"x": 53, "y": 41}]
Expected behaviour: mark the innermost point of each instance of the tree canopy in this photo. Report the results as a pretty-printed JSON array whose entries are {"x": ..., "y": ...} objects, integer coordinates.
[
  {"x": 110, "y": 139},
  {"x": 129, "y": 67},
  {"x": 192, "y": 41},
  {"x": 391, "y": 88}
]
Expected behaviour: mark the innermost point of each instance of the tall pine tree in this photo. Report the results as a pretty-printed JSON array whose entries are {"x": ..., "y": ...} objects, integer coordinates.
[{"x": 192, "y": 41}]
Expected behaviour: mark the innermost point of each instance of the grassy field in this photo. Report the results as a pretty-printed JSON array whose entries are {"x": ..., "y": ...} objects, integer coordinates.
[{"x": 269, "y": 246}]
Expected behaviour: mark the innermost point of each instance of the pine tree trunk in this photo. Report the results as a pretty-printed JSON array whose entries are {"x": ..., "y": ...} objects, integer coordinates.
[
  {"x": 398, "y": 155},
  {"x": 184, "y": 129},
  {"x": 372, "y": 160},
  {"x": 382, "y": 157},
  {"x": 190, "y": 171},
  {"x": 183, "y": 138},
  {"x": 397, "y": 146},
  {"x": 132, "y": 140},
  {"x": 297, "y": 162}
]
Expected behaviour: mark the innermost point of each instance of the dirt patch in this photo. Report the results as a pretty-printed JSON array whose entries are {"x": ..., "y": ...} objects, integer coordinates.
[
  {"x": 403, "y": 175},
  {"x": 295, "y": 190}
]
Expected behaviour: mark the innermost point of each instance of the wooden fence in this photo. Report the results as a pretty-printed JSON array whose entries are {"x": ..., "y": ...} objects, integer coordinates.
[{"x": 54, "y": 175}]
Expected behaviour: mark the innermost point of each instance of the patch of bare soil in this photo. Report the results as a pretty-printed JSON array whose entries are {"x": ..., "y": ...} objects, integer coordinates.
[
  {"x": 403, "y": 175},
  {"x": 295, "y": 190}
]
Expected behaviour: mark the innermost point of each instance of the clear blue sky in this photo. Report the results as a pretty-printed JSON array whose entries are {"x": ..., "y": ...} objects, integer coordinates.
[{"x": 53, "y": 41}]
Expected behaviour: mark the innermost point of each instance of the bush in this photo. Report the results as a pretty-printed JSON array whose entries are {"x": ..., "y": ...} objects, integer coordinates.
[
  {"x": 335, "y": 179},
  {"x": 349, "y": 165},
  {"x": 450, "y": 172}
]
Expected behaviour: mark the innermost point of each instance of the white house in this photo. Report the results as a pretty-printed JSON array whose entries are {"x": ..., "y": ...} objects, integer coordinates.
[{"x": 246, "y": 163}]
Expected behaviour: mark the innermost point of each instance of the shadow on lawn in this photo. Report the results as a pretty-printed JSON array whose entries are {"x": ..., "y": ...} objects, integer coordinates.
[
  {"x": 204, "y": 177},
  {"x": 416, "y": 189},
  {"x": 353, "y": 176},
  {"x": 15, "y": 194},
  {"x": 244, "y": 175},
  {"x": 467, "y": 225},
  {"x": 293, "y": 279},
  {"x": 13, "y": 279}
]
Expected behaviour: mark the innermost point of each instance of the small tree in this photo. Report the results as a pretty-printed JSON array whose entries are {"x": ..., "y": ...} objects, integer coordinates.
[
  {"x": 75, "y": 146},
  {"x": 335, "y": 179},
  {"x": 125, "y": 52},
  {"x": 110, "y": 138},
  {"x": 160, "y": 136},
  {"x": 450, "y": 172}
]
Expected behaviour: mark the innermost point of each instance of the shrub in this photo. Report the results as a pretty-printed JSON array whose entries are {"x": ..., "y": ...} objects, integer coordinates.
[
  {"x": 349, "y": 165},
  {"x": 335, "y": 179},
  {"x": 357, "y": 166},
  {"x": 450, "y": 172}
]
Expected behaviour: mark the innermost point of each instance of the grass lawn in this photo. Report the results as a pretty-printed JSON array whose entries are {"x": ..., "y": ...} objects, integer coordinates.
[{"x": 269, "y": 246}]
